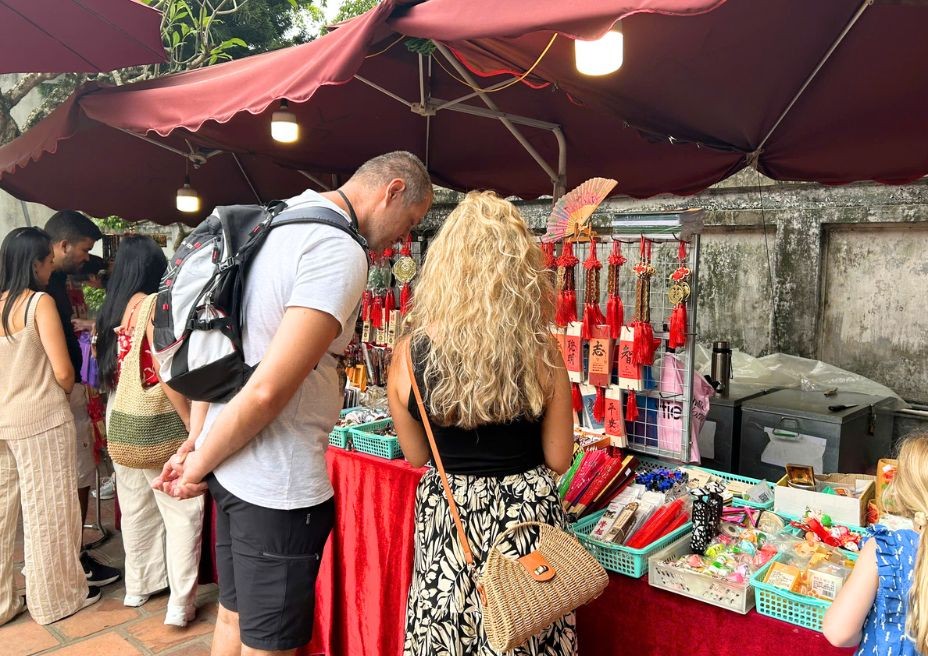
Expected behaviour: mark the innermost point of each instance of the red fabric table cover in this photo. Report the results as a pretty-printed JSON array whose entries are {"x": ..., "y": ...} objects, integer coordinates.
[
  {"x": 367, "y": 568},
  {"x": 367, "y": 565}
]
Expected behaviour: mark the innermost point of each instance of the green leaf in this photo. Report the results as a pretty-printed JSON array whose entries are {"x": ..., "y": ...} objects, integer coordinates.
[
  {"x": 294, "y": 4},
  {"x": 235, "y": 41},
  {"x": 175, "y": 38}
]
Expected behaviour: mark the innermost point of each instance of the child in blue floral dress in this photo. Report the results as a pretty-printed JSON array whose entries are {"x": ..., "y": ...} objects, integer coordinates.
[{"x": 883, "y": 607}]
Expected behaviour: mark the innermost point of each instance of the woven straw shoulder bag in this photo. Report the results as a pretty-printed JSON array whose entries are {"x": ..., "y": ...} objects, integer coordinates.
[
  {"x": 144, "y": 428},
  {"x": 522, "y": 597}
]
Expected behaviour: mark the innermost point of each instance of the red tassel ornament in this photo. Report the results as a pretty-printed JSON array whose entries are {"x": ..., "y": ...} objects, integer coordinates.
[
  {"x": 377, "y": 313},
  {"x": 678, "y": 321},
  {"x": 405, "y": 298},
  {"x": 599, "y": 406},
  {"x": 615, "y": 311},
  {"x": 367, "y": 298},
  {"x": 389, "y": 302},
  {"x": 631, "y": 406},
  {"x": 404, "y": 270},
  {"x": 547, "y": 252},
  {"x": 567, "y": 297},
  {"x": 576, "y": 397},
  {"x": 644, "y": 346},
  {"x": 592, "y": 315},
  {"x": 678, "y": 293}
]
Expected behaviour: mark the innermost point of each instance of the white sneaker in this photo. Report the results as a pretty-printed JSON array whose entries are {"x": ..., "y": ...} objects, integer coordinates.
[
  {"x": 107, "y": 488},
  {"x": 179, "y": 616},
  {"x": 134, "y": 600}
]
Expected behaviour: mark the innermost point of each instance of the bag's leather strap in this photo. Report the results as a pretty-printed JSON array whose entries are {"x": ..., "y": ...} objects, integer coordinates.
[{"x": 465, "y": 545}]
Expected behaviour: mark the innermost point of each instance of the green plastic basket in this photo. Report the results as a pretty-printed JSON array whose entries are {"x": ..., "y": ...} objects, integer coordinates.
[
  {"x": 650, "y": 463},
  {"x": 615, "y": 557},
  {"x": 381, "y": 446},
  {"x": 339, "y": 437},
  {"x": 788, "y": 606}
]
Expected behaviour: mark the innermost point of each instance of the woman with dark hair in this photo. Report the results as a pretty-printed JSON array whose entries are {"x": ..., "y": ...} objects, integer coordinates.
[
  {"x": 161, "y": 534},
  {"x": 37, "y": 439}
]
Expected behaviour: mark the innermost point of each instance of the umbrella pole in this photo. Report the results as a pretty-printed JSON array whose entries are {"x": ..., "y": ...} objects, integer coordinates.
[
  {"x": 558, "y": 178},
  {"x": 754, "y": 156}
]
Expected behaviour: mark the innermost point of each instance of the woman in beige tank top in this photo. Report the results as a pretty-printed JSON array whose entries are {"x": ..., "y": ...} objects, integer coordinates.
[{"x": 37, "y": 441}]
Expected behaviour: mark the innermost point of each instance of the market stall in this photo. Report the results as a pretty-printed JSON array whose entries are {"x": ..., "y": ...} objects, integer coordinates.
[
  {"x": 491, "y": 98},
  {"x": 367, "y": 568},
  {"x": 752, "y": 94}
]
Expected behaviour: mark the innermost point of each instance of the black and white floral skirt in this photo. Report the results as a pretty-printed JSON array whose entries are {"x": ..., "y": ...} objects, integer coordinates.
[{"x": 443, "y": 616}]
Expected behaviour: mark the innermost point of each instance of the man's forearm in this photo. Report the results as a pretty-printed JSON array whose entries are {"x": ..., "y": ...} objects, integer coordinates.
[
  {"x": 246, "y": 415},
  {"x": 198, "y": 410}
]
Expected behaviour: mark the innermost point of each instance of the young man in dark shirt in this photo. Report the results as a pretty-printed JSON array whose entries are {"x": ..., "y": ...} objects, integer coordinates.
[{"x": 73, "y": 235}]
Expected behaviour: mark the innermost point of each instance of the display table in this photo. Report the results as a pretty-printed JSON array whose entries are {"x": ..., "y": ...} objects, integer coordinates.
[{"x": 367, "y": 568}]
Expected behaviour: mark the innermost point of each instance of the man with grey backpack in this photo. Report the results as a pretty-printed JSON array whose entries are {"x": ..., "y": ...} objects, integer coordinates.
[{"x": 260, "y": 450}]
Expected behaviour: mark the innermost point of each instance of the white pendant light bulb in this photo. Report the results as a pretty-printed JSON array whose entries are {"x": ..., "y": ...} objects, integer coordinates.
[
  {"x": 284, "y": 127},
  {"x": 188, "y": 201},
  {"x": 602, "y": 56}
]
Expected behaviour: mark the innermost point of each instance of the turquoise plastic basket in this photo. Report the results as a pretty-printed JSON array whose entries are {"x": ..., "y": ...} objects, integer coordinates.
[
  {"x": 381, "y": 446},
  {"x": 792, "y": 530},
  {"x": 788, "y": 606},
  {"x": 615, "y": 557},
  {"x": 339, "y": 437},
  {"x": 650, "y": 463}
]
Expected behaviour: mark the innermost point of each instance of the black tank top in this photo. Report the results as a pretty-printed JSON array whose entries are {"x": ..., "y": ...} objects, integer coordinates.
[{"x": 488, "y": 450}]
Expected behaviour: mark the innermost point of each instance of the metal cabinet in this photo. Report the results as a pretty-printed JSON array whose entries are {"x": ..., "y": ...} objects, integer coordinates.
[
  {"x": 720, "y": 439},
  {"x": 846, "y": 432}
]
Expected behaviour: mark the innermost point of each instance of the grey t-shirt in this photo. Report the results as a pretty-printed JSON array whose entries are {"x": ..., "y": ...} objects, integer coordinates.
[{"x": 312, "y": 266}]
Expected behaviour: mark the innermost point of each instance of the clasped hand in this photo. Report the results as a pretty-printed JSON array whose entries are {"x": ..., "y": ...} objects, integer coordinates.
[{"x": 181, "y": 477}]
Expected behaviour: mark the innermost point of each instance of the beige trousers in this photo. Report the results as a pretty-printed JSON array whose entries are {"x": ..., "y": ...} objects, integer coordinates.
[
  {"x": 38, "y": 474},
  {"x": 161, "y": 536}
]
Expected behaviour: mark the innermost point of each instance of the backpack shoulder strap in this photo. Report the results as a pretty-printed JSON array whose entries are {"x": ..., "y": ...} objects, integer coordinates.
[{"x": 323, "y": 216}]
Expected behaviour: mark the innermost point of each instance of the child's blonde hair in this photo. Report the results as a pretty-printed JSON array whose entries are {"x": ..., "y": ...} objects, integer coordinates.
[{"x": 910, "y": 491}]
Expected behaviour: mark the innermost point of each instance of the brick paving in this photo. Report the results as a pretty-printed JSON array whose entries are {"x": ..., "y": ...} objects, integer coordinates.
[{"x": 109, "y": 628}]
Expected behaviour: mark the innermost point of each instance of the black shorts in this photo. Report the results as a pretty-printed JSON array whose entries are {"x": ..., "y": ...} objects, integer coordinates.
[{"x": 267, "y": 562}]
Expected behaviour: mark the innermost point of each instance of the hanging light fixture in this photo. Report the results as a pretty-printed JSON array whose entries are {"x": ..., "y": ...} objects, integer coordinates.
[
  {"x": 284, "y": 127},
  {"x": 602, "y": 56},
  {"x": 188, "y": 201}
]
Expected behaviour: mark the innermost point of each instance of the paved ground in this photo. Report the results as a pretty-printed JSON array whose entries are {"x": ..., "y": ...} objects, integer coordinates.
[{"x": 109, "y": 628}]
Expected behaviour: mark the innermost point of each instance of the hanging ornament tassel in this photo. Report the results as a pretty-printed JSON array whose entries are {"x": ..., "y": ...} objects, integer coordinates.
[
  {"x": 576, "y": 397},
  {"x": 599, "y": 406},
  {"x": 678, "y": 321},
  {"x": 592, "y": 315},
  {"x": 405, "y": 298},
  {"x": 678, "y": 294},
  {"x": 367, "y": 300},
  {"x": 547, "y": 251},
  {"x": 631, "y": 406},
  {"x": 389, "y": 302},
  {"x": 615, "y": 312},
  {"x": 377, "y": 313},
  {"x": 567, "y": 297},
  {"x": 404, "y": 270},
  {"x": 644, "y": 347}
]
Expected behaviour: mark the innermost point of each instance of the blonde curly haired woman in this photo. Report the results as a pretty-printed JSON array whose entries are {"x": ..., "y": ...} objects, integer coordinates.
[{"x": 498, "y": 399}]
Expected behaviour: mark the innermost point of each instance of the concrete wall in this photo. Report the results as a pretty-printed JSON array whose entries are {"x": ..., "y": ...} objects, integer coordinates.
[{"x": 831, "y": 273}]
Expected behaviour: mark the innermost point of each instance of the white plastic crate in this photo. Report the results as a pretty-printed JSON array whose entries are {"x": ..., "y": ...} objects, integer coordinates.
[{"x": 695, "y": 585}]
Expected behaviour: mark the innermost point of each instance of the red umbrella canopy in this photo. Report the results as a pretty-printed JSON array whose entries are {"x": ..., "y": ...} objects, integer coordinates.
[
  {"x": 797, "y": 89},
  {"x": 80, "y": 36}
]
